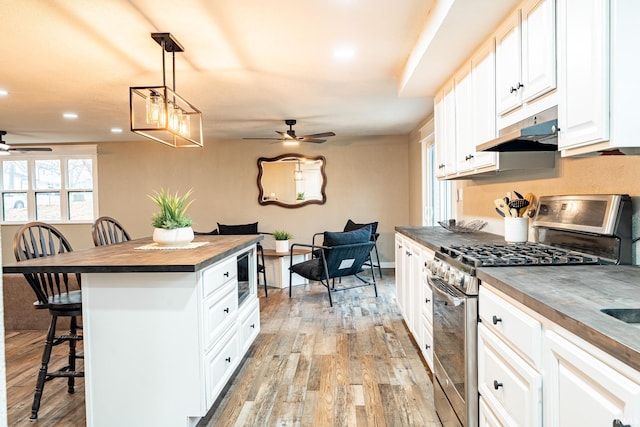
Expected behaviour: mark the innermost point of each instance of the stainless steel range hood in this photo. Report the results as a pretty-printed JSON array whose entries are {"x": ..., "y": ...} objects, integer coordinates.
[{"x": 536, "y": 133}]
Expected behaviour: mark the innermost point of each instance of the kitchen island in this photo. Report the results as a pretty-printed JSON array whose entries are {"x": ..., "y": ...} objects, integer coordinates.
[{"x": 164, "y": 330}]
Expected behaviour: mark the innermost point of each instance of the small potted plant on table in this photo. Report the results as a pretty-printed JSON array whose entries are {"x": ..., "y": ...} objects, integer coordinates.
[
  {"x": 172, "y": 226},
  {"x": 282, "y": 240}
]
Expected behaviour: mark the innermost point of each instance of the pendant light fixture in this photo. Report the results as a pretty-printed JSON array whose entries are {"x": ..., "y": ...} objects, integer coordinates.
[
  {"x": 297, "y": 173},
  {"x": 159, "y": 113}
]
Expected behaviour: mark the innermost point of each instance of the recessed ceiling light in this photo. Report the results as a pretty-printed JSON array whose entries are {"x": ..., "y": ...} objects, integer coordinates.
[
  {"x": 70, "y": 116},
  {"x": 344, "y": 53},
  {"x": 116, "y": 130},
  {"x": 4, "y": 92}
]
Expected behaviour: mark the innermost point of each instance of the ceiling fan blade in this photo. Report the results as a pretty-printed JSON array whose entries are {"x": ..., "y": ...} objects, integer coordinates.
[
  {"x": 317, "y": 141},
  {"x": 316, "y": 135},
  {"x": 27, "y": 149},
  {"x": 285, "y": 135},
  {"x": 269, "y": 139}
]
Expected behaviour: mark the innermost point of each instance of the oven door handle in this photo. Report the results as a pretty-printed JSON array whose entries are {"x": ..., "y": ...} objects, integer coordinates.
[{"x": 445, "y": 290}]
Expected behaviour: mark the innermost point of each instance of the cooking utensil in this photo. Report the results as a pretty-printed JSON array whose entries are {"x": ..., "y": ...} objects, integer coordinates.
[
  {"x": 518, "y": 195},
  {"x": 518, "y": 205},
  {"x": 500, "y": 212},
  {"x": 529, "y": 197},
  {"x": 502, "y": 206}
]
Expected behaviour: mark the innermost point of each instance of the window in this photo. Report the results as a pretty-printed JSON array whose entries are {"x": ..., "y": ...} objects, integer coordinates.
[
  {"x": 436, "y": 195},
  {"x": 57, "y": 186}
]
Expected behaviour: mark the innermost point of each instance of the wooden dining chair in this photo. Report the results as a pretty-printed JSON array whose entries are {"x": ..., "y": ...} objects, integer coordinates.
[
  {"x": 54, "y": 292},
  {"x": 107, "y": 231}
]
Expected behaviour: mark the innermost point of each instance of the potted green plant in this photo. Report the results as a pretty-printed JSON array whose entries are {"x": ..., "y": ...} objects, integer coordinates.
[
  {"x": 282, "y": 240},
  {"x": 172, "y": 226}
]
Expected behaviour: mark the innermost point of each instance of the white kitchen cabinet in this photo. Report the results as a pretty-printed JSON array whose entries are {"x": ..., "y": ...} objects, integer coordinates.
[
  {"x": 483, "y": 101},
  {"x": 445, "y": 130},
  {"x": 426, "y": 344},
  {"x": 487, "y": 417},
  {"x": 511, "y": 387},
  {"x": 548, "y": 375},
  {"x": 583, "y": 390},
  {"x": 187, "y": 333},
  {"x": 463, "y": 100},
  {"x": 508, "y": 64},
  {"x": 509, "y": 360},
  {"x": 597, "y": 76},
  {"x": 526, "y": 60},
  {"x": 413, "y": 294}
]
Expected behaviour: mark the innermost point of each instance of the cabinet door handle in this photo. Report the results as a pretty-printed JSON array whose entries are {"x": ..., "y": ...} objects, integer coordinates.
[
  {"x": 427, "y": 346},
  {"x": 226, "y": 310},
  {"x": 253, "y": 325},
  {"x": 427, "y": 300},
  {"x": 226, "y": 274},
  {"x": 468, "y": 157},
  {"x": 514, "y": 89},
  {"x": 618, "y": 423},
  {"x": 495, "y": 319},
  {"x": 228, "y": 360},
  {"x": 496, "y": 384}
]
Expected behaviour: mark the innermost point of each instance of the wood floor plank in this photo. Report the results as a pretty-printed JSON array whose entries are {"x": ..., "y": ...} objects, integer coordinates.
[{"x": 353, "y": 365}]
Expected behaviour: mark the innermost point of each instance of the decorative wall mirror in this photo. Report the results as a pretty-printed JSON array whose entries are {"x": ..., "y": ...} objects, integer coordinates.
[{"x": 292, "y": 180}]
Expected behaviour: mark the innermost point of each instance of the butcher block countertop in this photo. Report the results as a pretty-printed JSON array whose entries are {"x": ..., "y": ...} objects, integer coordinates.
[
  {"x": 435, "y": 237},
  {"x": 571, "y": 296},
  {"x": 130, "y": 257}
]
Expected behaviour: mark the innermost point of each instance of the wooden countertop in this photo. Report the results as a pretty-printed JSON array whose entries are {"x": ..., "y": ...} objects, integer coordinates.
[
  {"x": 125, "y": 258},
  {"x": 435, "y": 237},
  {"x": 273, "y": 253},
  {"x": 572, "y": 297}
]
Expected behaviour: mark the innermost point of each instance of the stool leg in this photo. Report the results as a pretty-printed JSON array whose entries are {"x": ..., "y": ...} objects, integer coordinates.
[
  {"x": 42, "y": 374},
  {"x": 73, "y": 331}
]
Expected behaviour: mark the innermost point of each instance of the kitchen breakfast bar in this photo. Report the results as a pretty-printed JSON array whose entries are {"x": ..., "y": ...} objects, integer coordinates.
[{"x": 164, "y": 329}]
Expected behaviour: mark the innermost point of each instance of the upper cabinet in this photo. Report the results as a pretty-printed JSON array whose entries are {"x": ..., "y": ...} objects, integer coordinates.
[
  {"x": 526, "y": 60},
  {"x": 445, "y": 130},
  {"x": 597, "y": 76}
]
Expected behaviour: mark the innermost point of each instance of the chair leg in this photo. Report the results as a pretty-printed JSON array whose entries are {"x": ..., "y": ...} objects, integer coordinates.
[
  {"x": 264, "y": 273},
  {"x": 375, "y": 249},
  {"x": 329, "y": 291},
  {"x": 42, "y": 374}
]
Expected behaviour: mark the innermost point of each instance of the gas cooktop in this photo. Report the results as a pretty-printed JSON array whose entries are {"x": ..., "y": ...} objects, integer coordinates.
[{"x": 498, "y": 255}]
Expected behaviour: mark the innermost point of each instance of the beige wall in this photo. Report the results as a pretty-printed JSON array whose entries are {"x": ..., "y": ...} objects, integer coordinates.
[
  {"x": 586, "y": 175},
  {"x": 367, "y": 180}
]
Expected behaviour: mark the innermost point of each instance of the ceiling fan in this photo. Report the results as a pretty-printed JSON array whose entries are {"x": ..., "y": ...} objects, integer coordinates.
[
  {"x": 290, "y": 135},
  {"x": 5, "y": 148}
]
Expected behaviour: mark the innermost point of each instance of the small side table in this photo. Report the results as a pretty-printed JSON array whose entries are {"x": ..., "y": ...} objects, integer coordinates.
[{"x": 277, "y": 267}]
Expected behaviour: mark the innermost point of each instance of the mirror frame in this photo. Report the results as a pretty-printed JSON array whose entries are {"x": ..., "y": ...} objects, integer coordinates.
[{"x": 290, "y": 205}]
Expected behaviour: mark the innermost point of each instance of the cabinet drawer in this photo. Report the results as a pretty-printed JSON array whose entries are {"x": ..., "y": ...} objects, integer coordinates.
[
  {"x": 218, "y": 275},
  {"x": 220, "y": 308},
  {"x": 250, "y": 327},
  {"x": 219, "y": 364},
  {"x": 487, "y": 418},
  {"x": 515, "y": 326},
  {"x": 511, "y": 387}
]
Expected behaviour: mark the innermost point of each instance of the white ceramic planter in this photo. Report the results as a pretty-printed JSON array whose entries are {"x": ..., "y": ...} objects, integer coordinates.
[
  {"x": 176, "y": 237},
  {"x": 282, "y": 246}
]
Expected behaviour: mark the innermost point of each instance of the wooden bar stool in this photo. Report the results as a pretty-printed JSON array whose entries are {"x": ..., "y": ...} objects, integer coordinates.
[{"x": 54, "y": 293}]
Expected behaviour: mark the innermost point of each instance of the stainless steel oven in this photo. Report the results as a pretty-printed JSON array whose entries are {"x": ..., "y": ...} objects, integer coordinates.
[
  {"x": 455, "y": 344},
  {"x": 572, "y": 230}
]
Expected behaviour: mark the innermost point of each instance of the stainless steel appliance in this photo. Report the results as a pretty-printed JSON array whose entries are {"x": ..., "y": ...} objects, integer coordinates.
[{"x": 580, "y": 229}]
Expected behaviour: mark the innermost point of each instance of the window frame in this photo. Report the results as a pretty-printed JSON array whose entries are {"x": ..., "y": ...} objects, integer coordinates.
[
  {"x": 63, "y": 153},
  {"x": 437, "y": 197}
]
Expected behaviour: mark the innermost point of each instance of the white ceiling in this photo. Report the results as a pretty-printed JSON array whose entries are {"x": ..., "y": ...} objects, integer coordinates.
[{"x": 248, "y": 64}]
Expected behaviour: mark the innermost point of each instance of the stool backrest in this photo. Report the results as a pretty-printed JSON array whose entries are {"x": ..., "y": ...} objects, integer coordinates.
[
  {"x": 108, "y": 231},
  {"x": 37, "y": 240}
]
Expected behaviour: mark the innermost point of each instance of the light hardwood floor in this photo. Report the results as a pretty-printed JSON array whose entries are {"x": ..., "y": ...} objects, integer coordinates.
[{"x": 311, "y": 365}]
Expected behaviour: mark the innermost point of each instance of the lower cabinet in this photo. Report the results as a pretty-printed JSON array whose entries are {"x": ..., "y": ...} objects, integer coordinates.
[
  {"x": 583, "y": 390},
  {"x": 532, "y": 372},
  {"x": 413, "y": 294},
  {"x": 160, "y": 347},
  {"x": 509, "y": 385}
]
